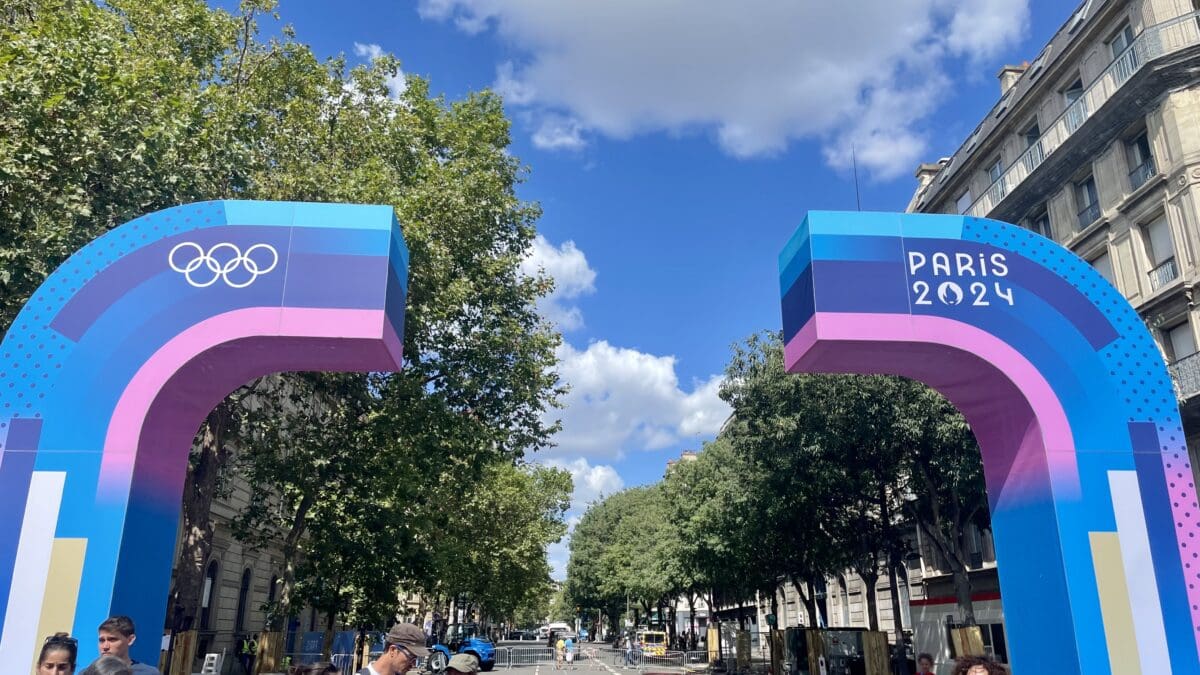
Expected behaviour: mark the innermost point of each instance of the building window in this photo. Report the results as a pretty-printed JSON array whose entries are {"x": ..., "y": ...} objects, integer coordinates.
[
  {"x": 1039, "y": 222},
  {"x": 206, "y": 596},
  {"x": 1160, "y": 252},
  {"x": 1141, "y": 160},
  {"x": 1034, "y": 151},
  {"x": 1032, "y": 134},
  {"x": 995, "y": 171},
  {"x": 963, "y": 203},
  {"x": 1076, "y": 105},
  {"x": 243, "y": 600},
  {"x": 993, "y": 641},
  {"x": 1121, "y": 41},
  {"x": 1179, "y": 341},
  {"x": 1088, "y": 201},
  {"x": 1103, "y": 264},
  {"x": 998, "y": 186}
]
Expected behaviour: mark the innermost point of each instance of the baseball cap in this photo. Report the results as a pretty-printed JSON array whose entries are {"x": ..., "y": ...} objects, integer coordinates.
[
  {"x": 463, "y": 663},
  {"x": 410, "y": 636}
]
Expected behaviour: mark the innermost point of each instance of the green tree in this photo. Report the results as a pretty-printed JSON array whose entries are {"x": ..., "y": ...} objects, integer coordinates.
[
  {"x": 109, "y": 111},
  {"x": 946, "y": 478},
  {"x": 490, "y": 549}
]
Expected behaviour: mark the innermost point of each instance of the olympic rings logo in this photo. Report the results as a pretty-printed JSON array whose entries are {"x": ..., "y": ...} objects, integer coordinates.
[{"x": 224, "y": 261}]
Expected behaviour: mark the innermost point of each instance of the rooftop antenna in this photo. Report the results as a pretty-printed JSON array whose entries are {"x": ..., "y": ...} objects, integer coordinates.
[{"x": 854, "y": 162}]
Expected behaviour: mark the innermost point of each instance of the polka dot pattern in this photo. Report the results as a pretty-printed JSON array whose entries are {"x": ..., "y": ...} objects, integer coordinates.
[
  {"x": 1136, "y": 368},
  {"x": 33, "y": 352}
]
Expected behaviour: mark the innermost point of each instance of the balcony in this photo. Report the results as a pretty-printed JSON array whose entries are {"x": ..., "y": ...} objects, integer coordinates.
[
  {"x": 1144, "y": 172},
  {"x": 1164, "y": 274},
  {"x": 1185, "y": 373},
  {"x": 1153, "y": 43},
  {"x": 1089, "y": 214}
]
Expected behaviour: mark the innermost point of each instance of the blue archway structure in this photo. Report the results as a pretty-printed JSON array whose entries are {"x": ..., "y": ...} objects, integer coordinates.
[
  {"x": 112, "y": 365},
  {"x": 1093, "y": 501}
]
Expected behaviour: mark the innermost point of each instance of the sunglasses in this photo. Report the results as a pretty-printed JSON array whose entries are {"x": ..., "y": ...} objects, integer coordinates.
[{"x": 61, "y": 640}]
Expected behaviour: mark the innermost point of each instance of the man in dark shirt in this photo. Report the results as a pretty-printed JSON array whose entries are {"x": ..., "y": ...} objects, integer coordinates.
[{"x": 116, "y": 637}]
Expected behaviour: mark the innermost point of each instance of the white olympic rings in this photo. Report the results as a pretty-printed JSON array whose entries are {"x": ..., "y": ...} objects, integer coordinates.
[{"x": 198, "y": 268}]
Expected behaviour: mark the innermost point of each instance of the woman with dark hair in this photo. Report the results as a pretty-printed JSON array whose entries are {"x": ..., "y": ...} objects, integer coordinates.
[
  {"x": 58, "y": 655},
  {"x": 978, "y": 665}
]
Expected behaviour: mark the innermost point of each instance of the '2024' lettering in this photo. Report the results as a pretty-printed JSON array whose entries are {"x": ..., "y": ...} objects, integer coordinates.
[{"x": 950, "y": 293}]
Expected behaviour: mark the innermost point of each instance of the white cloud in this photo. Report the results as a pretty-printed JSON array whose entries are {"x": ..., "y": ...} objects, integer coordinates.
[
  {"x": 371, "y": 51},
  {"x": 368, "y": 51},
  {"x": 624, "y": 400},
  {"x": 514, "y": 91},
  {"x": 980, "y": 29},
  {"x": 758, "y": 74},
  {"x": 572, "y": 275},
  {"x": 559, "y": 132},
  {"x": 591, "y": 484}
]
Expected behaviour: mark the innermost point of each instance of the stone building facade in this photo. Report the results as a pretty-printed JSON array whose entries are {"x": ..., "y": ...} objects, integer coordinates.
[{"x": 1095, "y": 143}]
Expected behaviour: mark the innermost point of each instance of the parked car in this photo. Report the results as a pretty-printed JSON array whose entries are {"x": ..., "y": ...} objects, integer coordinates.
[{"x": 462, "y": 638}]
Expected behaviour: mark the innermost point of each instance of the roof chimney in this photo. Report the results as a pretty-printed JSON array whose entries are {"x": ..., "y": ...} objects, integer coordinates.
[
  {"x": 925, "y": 173},
  {"x": 1009, "y": 75}
]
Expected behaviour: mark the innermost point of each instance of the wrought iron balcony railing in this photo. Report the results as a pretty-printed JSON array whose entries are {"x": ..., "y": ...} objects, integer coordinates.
[
  {"x": 1152, "y": 43},
  {"x": 1089, "y": 214},
  {"x": 1185, "y": 373},
  {"x": 1143, "y": 173},
  {"x": 1165, "y": 273}
]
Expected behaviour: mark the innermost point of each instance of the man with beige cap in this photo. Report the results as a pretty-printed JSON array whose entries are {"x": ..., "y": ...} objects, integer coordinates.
[
  {"x": 462, "y": 664},
  {"x": 402, "y": 646}
]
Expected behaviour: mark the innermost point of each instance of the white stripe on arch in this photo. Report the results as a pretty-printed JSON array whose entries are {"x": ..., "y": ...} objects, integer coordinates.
[
  {"x": 1139, "y": 572},
  {"x": 20, "y": 639}
]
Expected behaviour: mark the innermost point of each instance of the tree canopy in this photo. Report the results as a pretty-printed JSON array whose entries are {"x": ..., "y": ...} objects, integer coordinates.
[{"x": 112, "y": 110}]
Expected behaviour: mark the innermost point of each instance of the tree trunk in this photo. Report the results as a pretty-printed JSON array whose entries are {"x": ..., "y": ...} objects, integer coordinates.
[
  {"x": 327, "y": 643},
  {"x": 869, "y": 582},
  {"x": 808, "y": 596},
  {"x": 962, "y": 594},
  {"x": 291, "y": 548},
  {"x": 209, "y": 457},
  {"x": 691, "y": 613},
  {"x": 897, "y": 617}
]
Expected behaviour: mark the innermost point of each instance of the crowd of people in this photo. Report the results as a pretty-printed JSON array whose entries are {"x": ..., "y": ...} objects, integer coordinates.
[{"x": 116, "y": 635}]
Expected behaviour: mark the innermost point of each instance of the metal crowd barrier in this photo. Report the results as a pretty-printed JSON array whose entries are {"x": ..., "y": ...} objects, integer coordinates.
[
  {"x": 528, "y": 656},
  {"x": 666, "y": 660},
  {"x": 586, "y": 658}
]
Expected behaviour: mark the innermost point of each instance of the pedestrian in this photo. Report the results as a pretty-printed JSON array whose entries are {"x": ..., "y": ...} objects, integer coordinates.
[
  {"x": 117, "y": 635},
  {"x": 109, "y": 665},
  {"x": 462, "y": 664},
  {"x": 924, "y": 663},
  {"x": 58, "y": 655},
  {"x": 249, "y": 649},
  {"x": 978, "y": 665},
  {"x": 402, "y": 646},
  {"x": 628, "y": 645},
  {"x": 569, "y": 652},
  {"x": 559, "y": 652}
]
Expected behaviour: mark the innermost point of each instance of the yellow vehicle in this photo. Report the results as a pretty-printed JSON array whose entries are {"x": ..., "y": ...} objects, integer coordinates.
[{"x": 653, "y": 642}]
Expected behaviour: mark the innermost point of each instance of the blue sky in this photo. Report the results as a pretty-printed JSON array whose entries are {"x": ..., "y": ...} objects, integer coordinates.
[{"x": 674, "y": 146}]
